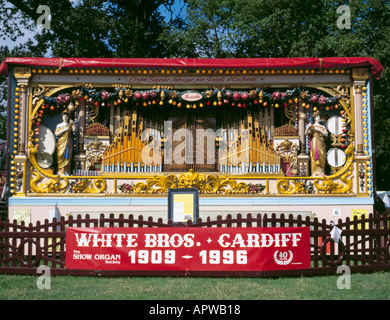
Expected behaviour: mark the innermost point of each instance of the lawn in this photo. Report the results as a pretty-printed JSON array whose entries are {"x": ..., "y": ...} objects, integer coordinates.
[{"x": 370, "y": 286}]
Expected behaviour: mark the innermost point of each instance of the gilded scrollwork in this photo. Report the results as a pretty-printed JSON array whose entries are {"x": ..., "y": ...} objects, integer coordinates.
[
  {"x": 343, "y": 93},
  {"x": 360, "y": 74},
  {"x": 89, "y": 186},
  {"x": 94, "y": 152},
  {"x": 207, "y": 184},
  {"x": 22, "y": 72},
  {"x": 52, "y": 186},
  {"x": 290, "y": 113},
  {"x": 288, "y": 151},
  {"x": 156, "y": 185},
  {"x": 43, "y": 181},
  {"x": 57, "y": 183},
  {"x": 331, "y": 186},
  {"x": 338, "y": 183},
  {"x": 295, "y": 186}
]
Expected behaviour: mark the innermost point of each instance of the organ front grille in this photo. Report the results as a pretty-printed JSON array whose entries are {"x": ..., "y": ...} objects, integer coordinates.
[{"x": 224, "y": 141}]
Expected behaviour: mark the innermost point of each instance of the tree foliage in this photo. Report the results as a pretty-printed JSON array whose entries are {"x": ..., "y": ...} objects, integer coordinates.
[
  {"x": 90, "y": 28},
  {"x": 212, "y": 28}
]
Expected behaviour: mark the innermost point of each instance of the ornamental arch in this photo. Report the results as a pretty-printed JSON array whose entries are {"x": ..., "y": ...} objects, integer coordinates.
[{"x": 261, "y": 116}]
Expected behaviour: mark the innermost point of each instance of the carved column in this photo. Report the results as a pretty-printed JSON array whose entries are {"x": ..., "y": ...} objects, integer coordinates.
[
  {"x": 19, "y": 172},
  {"x": 272, "y": 122},
  {"x": 112, "y": 119},
  {"x": 301, "y": 129},
  {"x": 303, "y": 157},
  {"x": 360, "y": 76},
  {"x": 81, "y": 127},
  {"x": 117, "y": 118},
  {"x": 22, "y": 76},
  {"x": 79, "y": 158}
]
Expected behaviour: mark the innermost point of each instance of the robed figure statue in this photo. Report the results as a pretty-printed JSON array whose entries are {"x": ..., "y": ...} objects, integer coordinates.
[
  {"x": 317, "y": 134},
  {"x": 64, "y": 133}
]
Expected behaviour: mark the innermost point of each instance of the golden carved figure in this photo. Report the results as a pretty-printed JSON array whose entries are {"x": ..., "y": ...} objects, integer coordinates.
[
  {"x": 64, "y": 133},
  {"x": 317, "y": 134}
]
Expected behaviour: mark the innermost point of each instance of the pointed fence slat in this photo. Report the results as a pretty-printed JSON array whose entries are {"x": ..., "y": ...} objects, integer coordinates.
[{"x": 364, "y": 245}]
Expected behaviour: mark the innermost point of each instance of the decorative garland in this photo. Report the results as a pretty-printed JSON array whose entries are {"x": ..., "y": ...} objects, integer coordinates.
[
  {"x": 165, "y": 97},
  {"x": 212, "y": 97}
]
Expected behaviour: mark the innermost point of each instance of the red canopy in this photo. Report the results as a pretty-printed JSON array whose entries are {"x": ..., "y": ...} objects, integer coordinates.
[{"x": 259, "y": 63}]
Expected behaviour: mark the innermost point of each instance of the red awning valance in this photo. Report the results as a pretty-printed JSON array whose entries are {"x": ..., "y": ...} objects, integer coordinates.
[{"x": 248, "y": 63}]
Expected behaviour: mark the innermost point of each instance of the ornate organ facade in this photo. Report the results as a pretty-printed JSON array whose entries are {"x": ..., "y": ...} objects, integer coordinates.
[{"x": 256, "y": 134}]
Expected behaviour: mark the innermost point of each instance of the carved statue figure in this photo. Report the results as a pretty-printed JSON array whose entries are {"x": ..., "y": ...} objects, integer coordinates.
[
  {"x": 317, "y": 134},
  {"x": 64, "y": 133}
]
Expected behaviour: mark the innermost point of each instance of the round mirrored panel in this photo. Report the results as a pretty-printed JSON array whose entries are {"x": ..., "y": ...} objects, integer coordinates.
[
  {"x": 334, "y": 125},
  {"x": 336, "y": 157},
  {"x": 47, "y": 140},
  {"x": 44, "y": 160}
]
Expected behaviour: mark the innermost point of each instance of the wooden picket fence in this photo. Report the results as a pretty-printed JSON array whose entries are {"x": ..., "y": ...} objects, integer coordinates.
[{"x": 364, "y": 245}]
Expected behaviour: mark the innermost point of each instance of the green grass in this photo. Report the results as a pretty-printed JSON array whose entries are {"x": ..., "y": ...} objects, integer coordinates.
[{"x": 370, "y": 286}]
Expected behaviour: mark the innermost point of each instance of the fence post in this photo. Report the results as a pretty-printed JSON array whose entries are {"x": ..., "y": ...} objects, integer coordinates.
[
  {"x": 249, "y": 218},
  {"x": 258, "y": 220},
  {"x": 49, "y": 238}
]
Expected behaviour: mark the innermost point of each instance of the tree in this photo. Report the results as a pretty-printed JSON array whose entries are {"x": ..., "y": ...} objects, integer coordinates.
[
  {"x": 214, "y": 29},
  {"x": 90, "y": 28},
  {"x": 294, "y": 28},
  {"x": 4, "y": 53}
]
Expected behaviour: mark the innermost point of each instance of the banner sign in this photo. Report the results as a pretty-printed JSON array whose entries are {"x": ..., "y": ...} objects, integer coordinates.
[{"x": 188, "y": 249}]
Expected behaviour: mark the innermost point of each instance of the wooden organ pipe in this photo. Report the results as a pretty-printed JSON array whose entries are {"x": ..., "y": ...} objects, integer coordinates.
[
  {"x": 125, "y": 151},
  {"x": 250, "y": 147},
  {"x": 244, "y": 143}
]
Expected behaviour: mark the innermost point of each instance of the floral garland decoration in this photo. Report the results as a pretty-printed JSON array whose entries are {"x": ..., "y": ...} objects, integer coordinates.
[{"x": 212, "y": 97}]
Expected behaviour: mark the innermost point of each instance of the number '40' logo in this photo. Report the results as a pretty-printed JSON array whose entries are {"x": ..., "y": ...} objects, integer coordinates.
[{"x": 283, "y": 257}]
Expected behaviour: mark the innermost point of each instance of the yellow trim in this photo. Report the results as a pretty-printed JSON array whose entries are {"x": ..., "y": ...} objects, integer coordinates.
[
  {"x": 202, "y": 195},
  {"x": 54, "y": 185},
  {"x": 206, "y": 183},
  {"x": 352, "y": 109},
  {"x": 200, "y": 71},
  {"x": 41, "y": 101},
  {"x": 146, "y": 175},
  {"x": 328, "y": 186}
]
